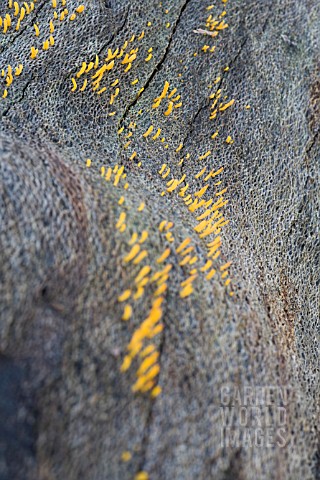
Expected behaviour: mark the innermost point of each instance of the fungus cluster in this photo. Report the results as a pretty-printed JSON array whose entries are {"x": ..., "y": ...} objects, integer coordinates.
[{"x": 202, "y": 194}]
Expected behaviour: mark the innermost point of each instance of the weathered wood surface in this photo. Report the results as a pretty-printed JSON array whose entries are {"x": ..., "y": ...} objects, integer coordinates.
[{"x": 66, "y": 410}]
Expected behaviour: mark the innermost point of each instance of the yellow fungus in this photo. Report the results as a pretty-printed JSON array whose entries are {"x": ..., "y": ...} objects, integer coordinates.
[
  {"x": 199, "y": 174},
  {"x": 74, "y": 83},
  {"x": 213, "y": 250},
  {"x": 164, "y": 255},
  {"x": 172, "y": 93},
  {"x": 169, "y": 109},
  {"x": 51, "y": 40},
  {"x": 169, "y": 237},
  {"x": 22, "y": 13},
  {"x": 162, "y": 169},
  {"x": 222, "y": 25},
  {"x": 72, "y": 17},
  {"x": 147, "y": 350},
  {"x": 150, "y": 129},
  {"x": 18, "y": 70},
  {"x": 88, "y": 162},
  {"x": 144, "y": 236},
  {"x": 142, "y": 275},
  {"x": 16, "y": 8},
  {"x": 162, "y": 225},
  {"x": 80, "y": 9},
  {"x": 121, "y": 219},
  {"x": 225, "y": 266},
  {"x": 141, "y": 476},
  {"x": 189, "y": 280},
  {"x": 110, "y": 65},
  {"x": 221, "y": 192},
  {"x": 141, "y": 35},
  {"x": 147, "y": 363},
  {"x": 201, "y": 192},
  {"x": 89, "y": 67},
  {"x": 179, "y": 147},
  {"x": 155, "y": 392},
  {"x": 142, "y": 255},
  {"x": 127, "y": 312},
  {"x": 206, "y": 267},
  {"x": 184, "y": 244},
  {"x": 210, "y": 274},
  {"x": 166, "y": 173},
  {"x": 186, "y": 291},
  {"x": 34, "y": 52},
  {"x": 229, "y": 139},
  {"x": 124, "y": 296},
  {"x": 134, "y": 82},
  {"x": 148, "y": 58},
  {"x": 178, "y": 105},
  {"x": 36, "y": 30},
  {"x": 157, "y": 134},
  {"x": 224, "y": 107},
  {"x": 82, "y": 70},
  {"x": 133, "y": 238},
  {"x": 102, "y": 90},
  {"x": 141, "y": 206},
  {"x": 84, "y": 85},
  {"x": 126, "y": 456},
  {"x": 214, "y": 135},
  {"x": 213, "y": 174},
  {"x": 205, "y": 155},
  {"x": 125, "y": 364},
  {"x": 133, "y": 252},
  {"x": 165, "y": 89},
  {"x": 45, "y": 45},
  {"x": 5, "y": 93}
]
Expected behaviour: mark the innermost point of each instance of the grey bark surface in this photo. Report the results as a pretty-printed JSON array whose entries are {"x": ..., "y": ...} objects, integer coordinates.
[{"x": 66, "y": 410}]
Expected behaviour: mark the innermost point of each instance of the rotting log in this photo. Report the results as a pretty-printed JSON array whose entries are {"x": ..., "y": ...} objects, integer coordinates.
[{"x": 67, "y": 411}]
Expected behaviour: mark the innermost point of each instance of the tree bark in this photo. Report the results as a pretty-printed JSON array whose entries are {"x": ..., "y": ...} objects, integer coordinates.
[{"x": 67, "y": 411}]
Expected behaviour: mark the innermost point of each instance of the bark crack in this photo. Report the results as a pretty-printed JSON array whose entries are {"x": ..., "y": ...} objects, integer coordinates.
[
  {"x": 206, "y": 103},
  {"x": 157, "y": 67}
]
